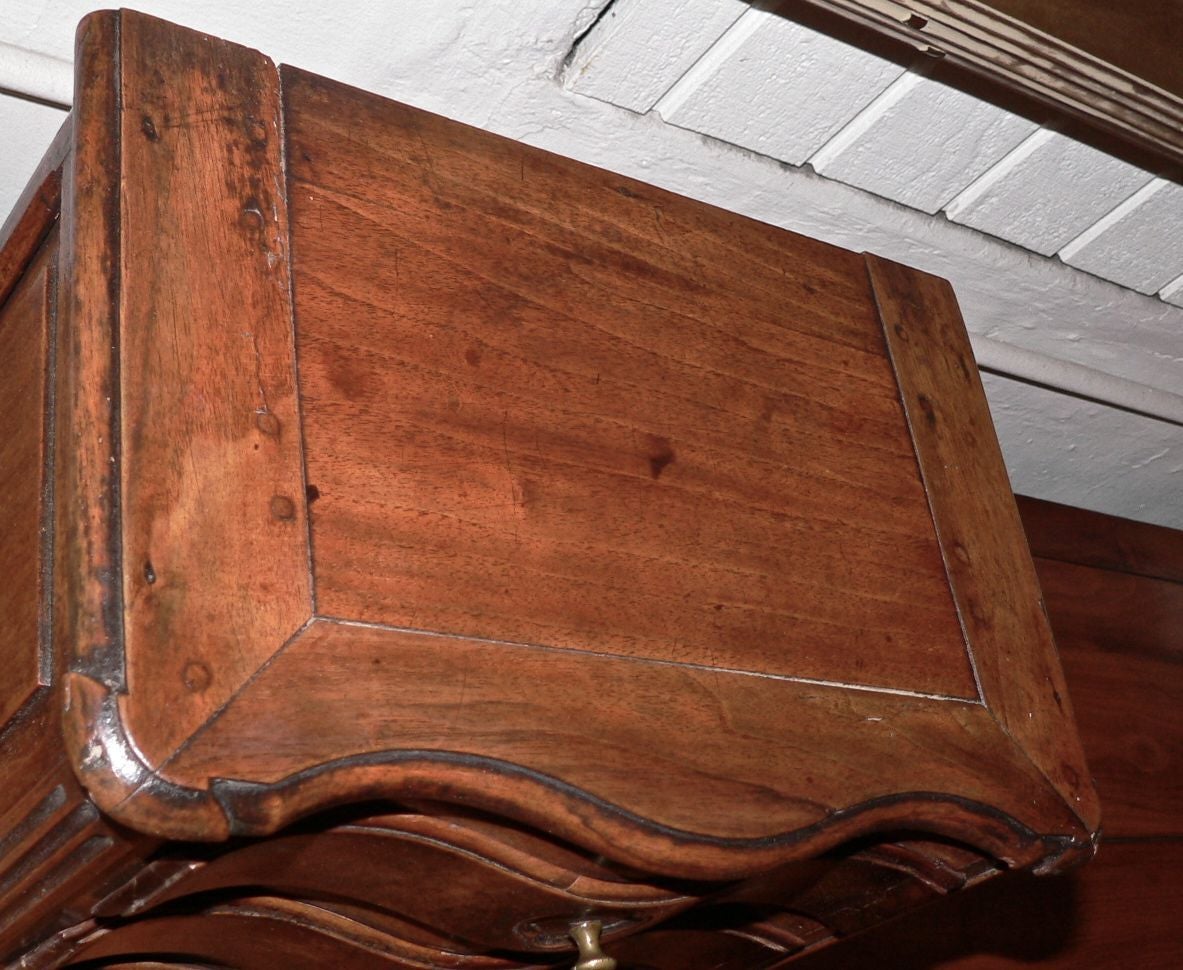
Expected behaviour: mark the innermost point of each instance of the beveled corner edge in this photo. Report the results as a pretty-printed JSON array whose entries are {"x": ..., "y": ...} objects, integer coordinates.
[
  {"x": 89, "y": 609},
  {"x": 106, "y": 762},
  {"x": 989, "y": 568}
]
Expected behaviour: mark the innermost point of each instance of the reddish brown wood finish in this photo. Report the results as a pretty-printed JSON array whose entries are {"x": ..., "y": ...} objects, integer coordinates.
[
  {"x": 633, "y": 557},
  {"x": 517, "y": 414},
  {"x": 25, "y": 332},
  {"x": 213, "y": 532},
  {"x": 28, "y": 292},
  {"x": 480, "y": 886},
  {"x": 190, "y": 365},
  {"x": 754, "y": 926},
  {"x": 56, "y": 854},
  {"x": 1121, "y": 650},
  {"x": 1120, "y": 911},
  {"x": 1141, "y": 37},
  {"x": 1118, "y": 632},
  {"x": 464, "y": 720},
  {"x": 981, "y": 536},
  {"x": 1114, "y": 593},
  {"x": 273, "y": 932},
  {"x": 37, "y": 209},
  {"x": 86, "y": 565},
  {"x": 1105, "y": 542}
]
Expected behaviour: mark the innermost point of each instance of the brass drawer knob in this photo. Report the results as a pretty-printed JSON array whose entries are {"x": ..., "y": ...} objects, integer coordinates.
[{"x": 586, "y": 935}]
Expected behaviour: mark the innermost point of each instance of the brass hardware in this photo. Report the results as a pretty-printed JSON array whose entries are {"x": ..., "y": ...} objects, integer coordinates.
[{"x": 586, "y": 935}]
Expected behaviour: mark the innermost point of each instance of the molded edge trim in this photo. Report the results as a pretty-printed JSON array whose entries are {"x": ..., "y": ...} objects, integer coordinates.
[
  {"x": 119, "y": 781},
  {"x": 87, "y": 593},
  {"x": 1015, "y": 54},
  {"x": 136, "y": 795}
]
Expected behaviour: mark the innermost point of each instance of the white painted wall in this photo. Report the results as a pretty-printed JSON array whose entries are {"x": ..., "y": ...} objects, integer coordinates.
[
  {"x": 26, "y": 129},
  {"x": 498, "y": 64},
  {"x": 920, "y": 142},
  {"x": 759, "y": 88},
  {"x": 1139, "y": 243},
  {"x": 1046, "y": 192}
]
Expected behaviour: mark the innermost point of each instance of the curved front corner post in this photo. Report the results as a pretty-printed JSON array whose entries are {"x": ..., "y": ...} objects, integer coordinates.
[
  {"x": 181, "y": 544},
  {"x": 106, "y": 762},
  {"x": 87, "y": 590}
]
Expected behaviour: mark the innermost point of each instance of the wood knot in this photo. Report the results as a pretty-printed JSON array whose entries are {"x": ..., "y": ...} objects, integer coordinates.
[
  {"x": 282, "y": 508},
  {"x": 256, "y": 131},
  {"x": 196, "y": 676},
  {"x": 927, "y": 408},
  {"x": 660, "y": 456},
  {"x": 268, "y": 423}
]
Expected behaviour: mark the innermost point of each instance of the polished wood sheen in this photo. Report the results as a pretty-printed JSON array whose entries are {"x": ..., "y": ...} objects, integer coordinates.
[
  {"x": 1114, "y": 593},
  {"x": 1067, "y": 534},
  {"x": 25, "y": 334},
  {"x": 1118, "y": 634},
  {"x": 213, "y": 534},
  {"x": 522, "y": 437},
  {"x": 991, "y": 575},
  {"x": 1122, "y": 911},
  {"x": 445, "y": 544},
  {"x": 457, "y": 716}
]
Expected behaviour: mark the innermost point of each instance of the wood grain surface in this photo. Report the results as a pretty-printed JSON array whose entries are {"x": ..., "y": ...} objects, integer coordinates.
[
  {"x": 1117, "y": 630},
  {"x": 37, "y": 209},
  {"x": 978, "y": 525},
  {"x": 660, "y": 613},
  {"x": 56, "y": 853},
  {"x": 551, "y": 405},
  {"x": 274, "y": 932},
  {"x": 88, "y": 625},
  {"x": 26, "y": 321},
  {"x": 613, "y": 524},
  {"x": 1121, "y": 910},
  {"x": 1119, "y": 638},
  {"x": 466, "y": 885},
  {"x": 215, "y": 573},
  {"x": 1069, "y": 534},
  {"x": 1142, "y": 37},
  {"x": 745, "y": 772},
  {"x": 751, "y": 926}
]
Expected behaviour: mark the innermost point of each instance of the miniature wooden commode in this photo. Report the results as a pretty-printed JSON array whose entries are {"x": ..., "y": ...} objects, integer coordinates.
[{"x": 425, "y": 551}]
